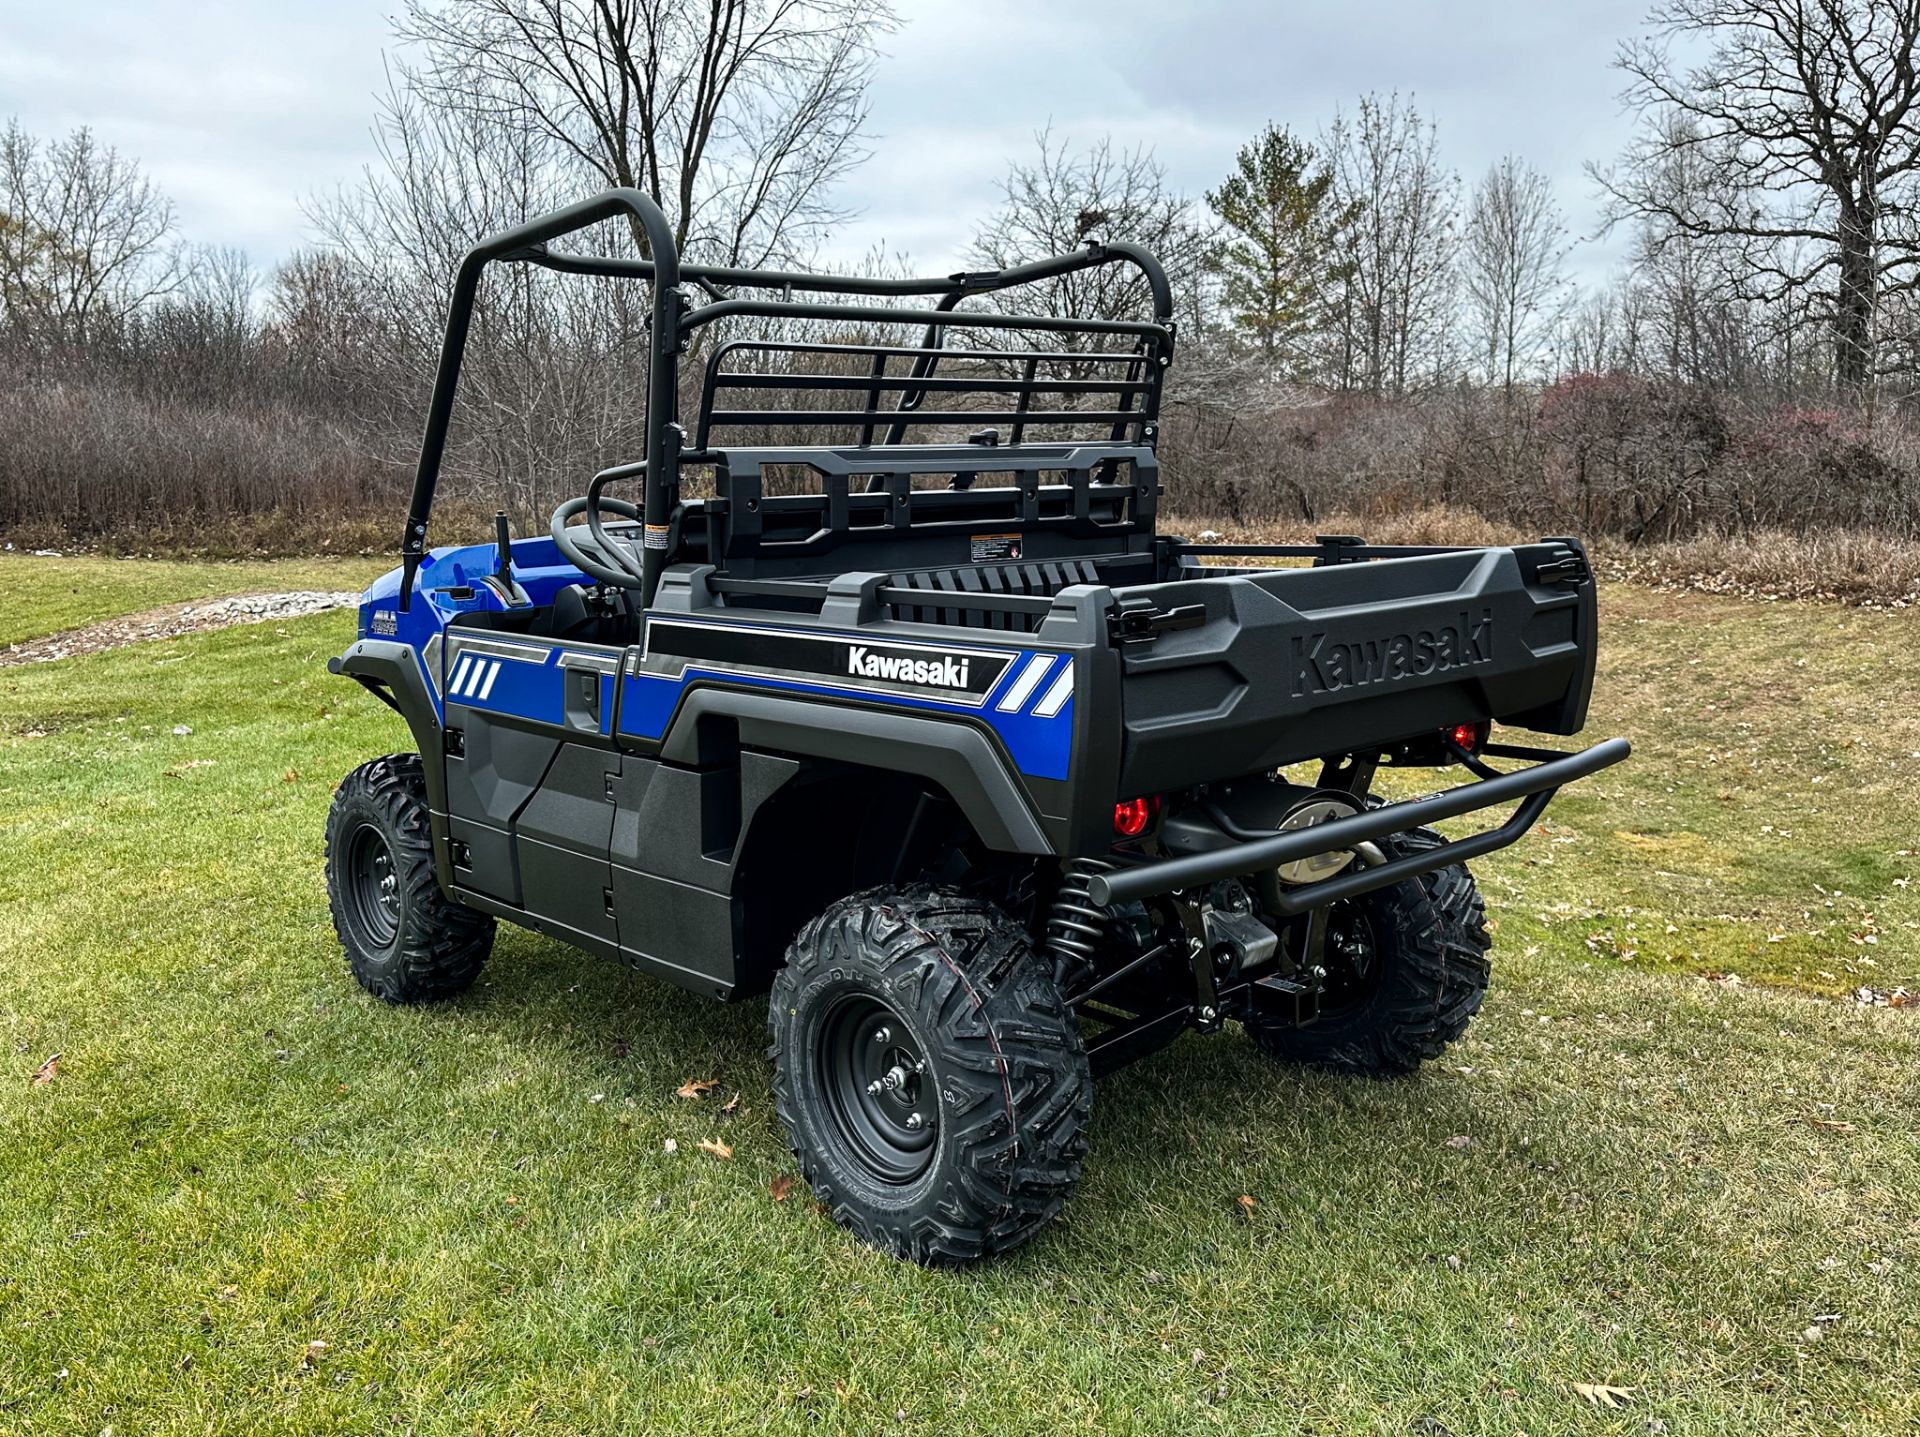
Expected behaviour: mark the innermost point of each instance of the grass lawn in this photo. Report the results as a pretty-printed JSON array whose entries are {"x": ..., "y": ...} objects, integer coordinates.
[
  {"x": 46, "y": 596},
  {"x": 252, "y": 1200}
]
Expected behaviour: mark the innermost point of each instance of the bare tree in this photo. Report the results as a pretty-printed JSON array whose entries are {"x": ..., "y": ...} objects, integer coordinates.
[
  {"x": 736, "y": 115},
  {"x": 84, "y": 237},
  {"x": 549, "y": 387},
  {"x": 1808, "y": 114},
  {"x": 1511, "y": 267},
  {"x": 1397, "y": 300},
  {"x": 1064, "y": 198}
]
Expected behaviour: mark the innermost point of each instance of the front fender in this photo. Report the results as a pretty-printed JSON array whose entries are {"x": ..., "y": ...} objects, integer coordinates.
[{"x": 393, "y": 672}]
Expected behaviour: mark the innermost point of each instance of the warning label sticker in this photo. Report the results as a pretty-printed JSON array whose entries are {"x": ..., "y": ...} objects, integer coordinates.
[{"x": 995, "y": 548}]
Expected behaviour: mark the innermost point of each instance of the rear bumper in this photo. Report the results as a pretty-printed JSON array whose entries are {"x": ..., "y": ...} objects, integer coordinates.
[{"x": 1534, "y": 786}]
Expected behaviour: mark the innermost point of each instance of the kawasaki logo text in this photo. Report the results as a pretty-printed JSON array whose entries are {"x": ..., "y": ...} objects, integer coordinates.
[
  {"x": 1323, "y": 665},
  {"x": 946, "y": 673}
]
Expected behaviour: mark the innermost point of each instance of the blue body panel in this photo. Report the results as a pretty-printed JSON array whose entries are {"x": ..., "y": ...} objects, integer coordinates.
[
  {"x": 1037, "y": 735},
  {"x": 1041, "y": 747}
]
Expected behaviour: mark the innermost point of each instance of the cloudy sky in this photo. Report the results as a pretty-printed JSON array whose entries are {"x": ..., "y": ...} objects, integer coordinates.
[{"x": 242, "y": 108}]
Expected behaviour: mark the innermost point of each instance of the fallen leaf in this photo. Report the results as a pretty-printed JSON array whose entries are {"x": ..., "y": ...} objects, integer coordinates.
[
  {"x": 46, "y": 1072},
  {"x": 292, "y": 775},
  {"x": 781, "y": 1185},
  {"x": 1246, "y": 1204},
  {"x": 716, "y": 1147},
  {"x": 696, "y": 1087},
  {"x": 731, "y": 1105},
  {"x": 1459, "y": 1142},
  {"x": 1601, "y": 1394},
  {"x": 316, "y": 1350},
  {"x": 670, "y": 1146},
  {"x": 1831, "y": 1124}
]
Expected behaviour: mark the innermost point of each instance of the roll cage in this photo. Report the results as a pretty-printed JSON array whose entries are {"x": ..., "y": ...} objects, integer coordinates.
[{"x": 890, "y": 405}]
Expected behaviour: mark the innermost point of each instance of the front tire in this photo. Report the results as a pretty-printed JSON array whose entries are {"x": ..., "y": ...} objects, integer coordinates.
[
  {"x": 1407, "y": 970},
  {"x": 405, "y": 940},
  {"x": 929, "y": 1076}
]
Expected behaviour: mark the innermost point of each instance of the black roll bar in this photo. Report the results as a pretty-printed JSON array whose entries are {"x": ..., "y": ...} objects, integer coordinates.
[
  {"x": 672, "y": 319},
  {"x": 1536, "y": 785},
  {"x": 958, "y": 285},
  {"x": 662, "y": 375}
]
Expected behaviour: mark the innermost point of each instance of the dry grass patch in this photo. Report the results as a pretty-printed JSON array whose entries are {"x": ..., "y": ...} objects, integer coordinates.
[{"x": 1855, "y": 567}]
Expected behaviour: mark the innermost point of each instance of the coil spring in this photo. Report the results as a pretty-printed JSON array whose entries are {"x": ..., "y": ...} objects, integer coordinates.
[{"x": 1077, "y": 925}]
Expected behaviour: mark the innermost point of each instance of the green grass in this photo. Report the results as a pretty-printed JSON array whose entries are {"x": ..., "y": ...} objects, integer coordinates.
[
  {"x": 45, "y": 596},
  {"x": 473, "y": 1207}
]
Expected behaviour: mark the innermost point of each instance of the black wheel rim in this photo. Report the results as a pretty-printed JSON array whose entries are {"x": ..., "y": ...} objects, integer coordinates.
[
  {"x": 372, "y": 888},
  {"x": 879, "y": 1089},
  {"x": 1353, "y": 959}
]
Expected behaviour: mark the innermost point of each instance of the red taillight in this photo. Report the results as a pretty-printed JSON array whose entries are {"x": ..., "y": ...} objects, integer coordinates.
[
  {"x": 1132, "y": 815},
  {"x": 1469, "y": 735}
]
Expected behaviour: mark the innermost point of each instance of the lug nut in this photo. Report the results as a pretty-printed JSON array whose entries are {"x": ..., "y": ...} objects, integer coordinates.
[
  {"x": 883, "y": 1035},
  {"x": 915, "y": 1121}
]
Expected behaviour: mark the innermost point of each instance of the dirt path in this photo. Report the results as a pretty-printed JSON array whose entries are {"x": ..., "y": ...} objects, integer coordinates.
[{"x": 172, "y": 620}]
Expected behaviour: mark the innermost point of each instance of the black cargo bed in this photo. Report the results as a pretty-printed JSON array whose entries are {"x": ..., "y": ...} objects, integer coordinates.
[{"x": 1294, "y": 664}]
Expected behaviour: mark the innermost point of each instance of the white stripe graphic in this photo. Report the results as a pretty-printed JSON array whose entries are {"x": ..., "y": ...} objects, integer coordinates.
[
  {"x": 1057, "y": 694},
  {"x": 1023, "y": 686},
  {"x": 459, "y": 673},
  {"x": 493, "y": 672}
]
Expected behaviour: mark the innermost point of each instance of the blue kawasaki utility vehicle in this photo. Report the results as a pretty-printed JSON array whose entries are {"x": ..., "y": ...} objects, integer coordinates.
[{"x": 914, "y": 720}]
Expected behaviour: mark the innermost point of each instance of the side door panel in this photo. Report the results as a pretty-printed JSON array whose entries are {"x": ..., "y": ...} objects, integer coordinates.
[
  {"x": 560, "y": 839},
  {"x": 529, "y": 769}
]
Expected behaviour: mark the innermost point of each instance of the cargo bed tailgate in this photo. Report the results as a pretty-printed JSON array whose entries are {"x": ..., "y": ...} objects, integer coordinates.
[{"x": 1294, "y": 664}]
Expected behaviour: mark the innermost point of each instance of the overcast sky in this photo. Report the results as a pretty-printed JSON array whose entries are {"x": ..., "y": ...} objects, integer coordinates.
[{"x": 240, "y": 108}]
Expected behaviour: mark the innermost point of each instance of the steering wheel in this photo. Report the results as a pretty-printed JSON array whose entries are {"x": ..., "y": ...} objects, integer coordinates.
[{"x": 596, "y": 554}]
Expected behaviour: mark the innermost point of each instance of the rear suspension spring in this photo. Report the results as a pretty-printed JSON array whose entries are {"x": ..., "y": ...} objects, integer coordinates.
[{"x": 1077, "y": 926}]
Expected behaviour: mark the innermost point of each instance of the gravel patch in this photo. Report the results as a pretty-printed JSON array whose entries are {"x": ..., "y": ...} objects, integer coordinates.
[{"x": 197, "y": 617}]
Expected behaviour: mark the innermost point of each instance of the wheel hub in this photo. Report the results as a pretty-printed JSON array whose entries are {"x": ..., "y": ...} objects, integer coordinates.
[
  {"x": 879, "y": 1089},
  {"x": 373, "y": 887},
  {"x": 1352, "y": 966}
]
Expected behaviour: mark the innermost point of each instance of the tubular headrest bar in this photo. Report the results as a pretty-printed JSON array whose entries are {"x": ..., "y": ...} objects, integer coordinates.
[{"x": 784, "y": 309}]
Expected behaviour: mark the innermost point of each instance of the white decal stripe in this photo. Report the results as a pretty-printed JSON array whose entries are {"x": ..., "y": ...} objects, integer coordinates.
[
  {"x": 1028, "y": 681},
  {"x": 1057, "y": 695},
  {"x": 493, "y": 672},
  {"x": 459, "y": 673}
]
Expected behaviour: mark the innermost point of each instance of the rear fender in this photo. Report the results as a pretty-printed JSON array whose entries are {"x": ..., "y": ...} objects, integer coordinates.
[{"x": 956, "y": 757}]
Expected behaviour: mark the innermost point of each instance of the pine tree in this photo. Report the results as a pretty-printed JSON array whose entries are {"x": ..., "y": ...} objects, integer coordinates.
[{"x": 1282, "y": 262}]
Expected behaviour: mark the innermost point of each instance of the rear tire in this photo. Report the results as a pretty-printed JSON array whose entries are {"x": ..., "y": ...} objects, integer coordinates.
[
  {"x": 406, "y": 941},
  {"x": 1422, "y": 979},
  {"x": 930, "y": 1078}
]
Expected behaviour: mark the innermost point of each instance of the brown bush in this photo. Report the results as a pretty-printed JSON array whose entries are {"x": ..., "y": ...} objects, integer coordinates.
[{"x": 97, "y": 462}]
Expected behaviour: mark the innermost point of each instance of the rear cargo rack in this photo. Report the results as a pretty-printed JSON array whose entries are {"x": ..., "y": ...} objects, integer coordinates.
[{"x": 849, "y": 390}]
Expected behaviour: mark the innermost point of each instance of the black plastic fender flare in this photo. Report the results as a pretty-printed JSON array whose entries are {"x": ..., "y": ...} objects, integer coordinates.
[
  {"x": 392, "y": 671},
  {"x": 957, "y": 756}
]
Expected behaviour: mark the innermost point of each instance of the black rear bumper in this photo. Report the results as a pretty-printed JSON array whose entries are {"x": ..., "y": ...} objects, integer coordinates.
[{"x": 1536, "y": 786}]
